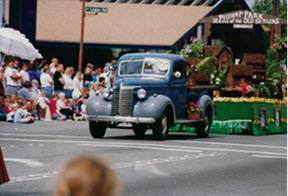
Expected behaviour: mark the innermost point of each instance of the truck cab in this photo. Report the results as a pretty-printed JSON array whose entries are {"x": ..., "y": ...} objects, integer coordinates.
[{"x": 150, "y": 92}]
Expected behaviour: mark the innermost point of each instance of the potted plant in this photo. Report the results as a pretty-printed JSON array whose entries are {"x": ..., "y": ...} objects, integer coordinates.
[{"x": 193, "y": 52}]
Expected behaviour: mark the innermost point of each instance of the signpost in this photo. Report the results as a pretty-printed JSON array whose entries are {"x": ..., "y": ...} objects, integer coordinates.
[{"x": 86, "y": 10}]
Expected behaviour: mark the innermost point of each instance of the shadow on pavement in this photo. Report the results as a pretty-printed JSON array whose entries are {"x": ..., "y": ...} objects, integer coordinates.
[{"x": 172, "y": 136}]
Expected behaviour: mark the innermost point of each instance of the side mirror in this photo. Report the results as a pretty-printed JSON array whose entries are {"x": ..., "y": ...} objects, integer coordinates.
[{"x": 177, "y": 74}]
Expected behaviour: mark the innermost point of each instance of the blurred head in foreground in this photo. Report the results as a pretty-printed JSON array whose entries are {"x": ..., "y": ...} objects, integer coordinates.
[{"x": 87, "y": 176}]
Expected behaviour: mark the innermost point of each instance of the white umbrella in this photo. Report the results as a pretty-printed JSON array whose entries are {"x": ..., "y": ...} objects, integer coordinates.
[{"x": 14, "y": 43}]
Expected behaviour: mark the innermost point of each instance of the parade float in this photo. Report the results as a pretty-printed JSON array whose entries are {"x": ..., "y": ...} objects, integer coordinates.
[{"x": 249, "y": 95}]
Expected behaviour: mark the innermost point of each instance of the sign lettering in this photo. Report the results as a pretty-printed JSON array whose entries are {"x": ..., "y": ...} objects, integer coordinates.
[{"x": 244, "y": 17}]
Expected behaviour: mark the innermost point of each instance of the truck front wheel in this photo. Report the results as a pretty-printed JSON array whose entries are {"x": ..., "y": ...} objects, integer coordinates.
[
  {"x": 139, "y": 130},
  {"x": 160, "y": 128},
  {"x": 203, "y": 129},
  {"x": 97, "y": 129}
]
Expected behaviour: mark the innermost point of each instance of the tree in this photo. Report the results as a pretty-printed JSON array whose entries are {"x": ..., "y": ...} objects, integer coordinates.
[{"x": 265, "y": 7}]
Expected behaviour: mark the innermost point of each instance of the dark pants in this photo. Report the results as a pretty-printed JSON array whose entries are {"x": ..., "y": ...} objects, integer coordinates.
[{"x": 67, "y": 112}]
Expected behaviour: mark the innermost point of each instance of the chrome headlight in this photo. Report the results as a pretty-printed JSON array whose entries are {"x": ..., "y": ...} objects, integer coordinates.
[{"x": 141, "y": 93}]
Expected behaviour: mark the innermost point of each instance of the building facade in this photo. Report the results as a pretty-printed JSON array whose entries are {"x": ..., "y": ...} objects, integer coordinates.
[{"x": 54, "y": 26}]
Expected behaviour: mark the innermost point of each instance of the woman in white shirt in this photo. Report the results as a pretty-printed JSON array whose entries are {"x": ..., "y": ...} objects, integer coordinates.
[
  {"x": 46, "y": 81},
  {"x": 77, "y": 85},
  {"x": 68, "y": 86},
  {"x": 12, "y": 78}
]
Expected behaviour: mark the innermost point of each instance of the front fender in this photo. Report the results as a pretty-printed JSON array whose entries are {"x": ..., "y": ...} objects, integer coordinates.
[
  {"x": 153, "y": 106},
  {"x": 97, "y": 105}
]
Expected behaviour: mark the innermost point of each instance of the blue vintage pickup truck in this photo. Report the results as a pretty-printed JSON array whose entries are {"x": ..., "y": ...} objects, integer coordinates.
[{"x": 150, "y": 92}]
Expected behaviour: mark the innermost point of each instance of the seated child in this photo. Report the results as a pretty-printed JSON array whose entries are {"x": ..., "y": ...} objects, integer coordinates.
[
  {"x": 43, "y": 106},
  {"x": 55, "y": 114},
  {"x": 22, "y": 115}
]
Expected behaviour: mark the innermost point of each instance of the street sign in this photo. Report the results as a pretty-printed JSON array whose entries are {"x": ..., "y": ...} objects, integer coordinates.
[{"x": 91, "y": 9}]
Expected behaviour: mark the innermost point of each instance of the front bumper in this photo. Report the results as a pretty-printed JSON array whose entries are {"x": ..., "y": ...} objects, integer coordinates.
[{"x": 122, "y": 119}]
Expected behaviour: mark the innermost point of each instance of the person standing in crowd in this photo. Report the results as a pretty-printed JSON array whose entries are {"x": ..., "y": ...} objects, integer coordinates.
[
  {"x": 34, "y": 72},
  {"x": 22, "y": 115},
  {"x": 68, "y": 82},
  {"x": 87, "y": 176},
  {"x": 53, "y": 65},
  {"x": 107, "y": 75},
  {"x": 77, "y": 85},
  {"x": 12, "y": 78},
  {"x": 87, "y": 77},
  {"x": 24, "y": 72},
  {"x": 58, "y": 79},
  {"x": 102, "y": 85},
  {"x": 98, "y": 72},
  {"x": 113, "y": 68},
  {"x": 46, "y": 81}
]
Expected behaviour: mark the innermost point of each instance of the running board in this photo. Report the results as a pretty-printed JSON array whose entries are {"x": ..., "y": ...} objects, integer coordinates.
[{"x": 189, "y": 121}]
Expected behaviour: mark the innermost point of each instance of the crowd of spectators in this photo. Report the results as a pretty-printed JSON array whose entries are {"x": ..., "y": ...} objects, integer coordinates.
[{"x": 49, "y": 90}]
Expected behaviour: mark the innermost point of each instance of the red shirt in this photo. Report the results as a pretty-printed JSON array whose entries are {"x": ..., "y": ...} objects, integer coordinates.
[{"x": 53, "y": 106}]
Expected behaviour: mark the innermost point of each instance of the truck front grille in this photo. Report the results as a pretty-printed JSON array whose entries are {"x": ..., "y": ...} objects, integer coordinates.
[
  {"x": 125, "y": 102},
  {"x": 115, "y": 101},
  {"x": 122, "y": 102}
]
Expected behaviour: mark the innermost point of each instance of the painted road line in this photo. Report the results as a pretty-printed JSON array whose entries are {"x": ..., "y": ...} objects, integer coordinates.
[
  {"x": 140, "y": 147},
  {"x": 193, "y": 142},
  {"x": 27, "y": 162},
  {"x": 45, "y": 135},
  {"x": 145, "y": 144},
  {"x": 232, "y": 144},
  {"x": 269, "y": 156},
  {"x": 91, "y": 142},
  {"x": 137, "y": 165}
]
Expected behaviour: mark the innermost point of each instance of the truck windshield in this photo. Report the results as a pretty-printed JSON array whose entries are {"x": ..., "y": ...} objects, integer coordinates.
[{"x": 148, "y": 66}]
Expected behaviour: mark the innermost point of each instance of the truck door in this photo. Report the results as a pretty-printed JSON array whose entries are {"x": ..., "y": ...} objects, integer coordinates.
[{"x": 177, "y": 91}]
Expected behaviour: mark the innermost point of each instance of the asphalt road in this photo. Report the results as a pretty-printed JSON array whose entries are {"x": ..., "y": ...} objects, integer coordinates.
[{"x": 181, "y": 165}]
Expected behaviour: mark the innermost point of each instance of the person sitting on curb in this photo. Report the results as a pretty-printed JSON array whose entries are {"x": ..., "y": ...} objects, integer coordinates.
[
  {"x": 22, "y": 115},
  {"x": 87, "y": 176},
  {"x": 43, "y": 107},
  {"x": 55, "y": 114},
  {"x": 63, "y": 106}
]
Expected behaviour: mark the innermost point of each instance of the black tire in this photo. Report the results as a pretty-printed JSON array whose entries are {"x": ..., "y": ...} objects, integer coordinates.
[
  {"x": 97, "y": 129},
  {"x": 160, "y": 128},
  {"x": 139, "y": 130},
  {"x": 203, "y": 128}
]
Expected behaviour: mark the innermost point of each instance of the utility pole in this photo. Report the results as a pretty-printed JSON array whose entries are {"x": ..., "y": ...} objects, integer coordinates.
[{"x": 80, "y": 59}]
